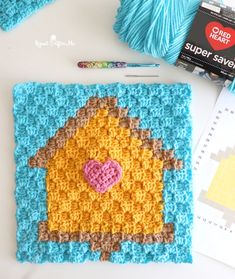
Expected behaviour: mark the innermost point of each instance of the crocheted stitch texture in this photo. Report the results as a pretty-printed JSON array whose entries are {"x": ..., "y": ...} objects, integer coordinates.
[
  {"x": 103, "y": 172},
  {"x": 13, "y": 12}
]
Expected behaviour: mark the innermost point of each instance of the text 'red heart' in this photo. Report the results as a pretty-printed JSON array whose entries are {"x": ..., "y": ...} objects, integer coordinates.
[
  {"x": 102, "y": 177},
  {"x": 220, "y": 37}
]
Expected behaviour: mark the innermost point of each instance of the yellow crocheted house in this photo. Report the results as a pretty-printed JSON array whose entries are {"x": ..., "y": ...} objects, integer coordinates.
[{"x": 104, "y": 180}]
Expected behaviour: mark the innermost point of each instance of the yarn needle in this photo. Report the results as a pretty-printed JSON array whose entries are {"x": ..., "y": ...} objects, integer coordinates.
[{"x": 112, "y": 65}]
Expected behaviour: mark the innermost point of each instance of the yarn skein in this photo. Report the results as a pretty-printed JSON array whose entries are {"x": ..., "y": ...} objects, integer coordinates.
[{"x": 157, "y": 27}]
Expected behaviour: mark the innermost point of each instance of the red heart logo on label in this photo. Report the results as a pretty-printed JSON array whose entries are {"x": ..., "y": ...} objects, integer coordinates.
[{"x": 220, "y": 37}]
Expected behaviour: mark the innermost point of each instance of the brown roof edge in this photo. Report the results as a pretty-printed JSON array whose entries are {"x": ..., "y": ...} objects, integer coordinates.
[{"x": 82, "y": 117}]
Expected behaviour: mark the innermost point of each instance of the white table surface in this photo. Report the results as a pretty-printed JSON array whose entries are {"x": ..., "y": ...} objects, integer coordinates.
[{"x": 88, "y": 23}]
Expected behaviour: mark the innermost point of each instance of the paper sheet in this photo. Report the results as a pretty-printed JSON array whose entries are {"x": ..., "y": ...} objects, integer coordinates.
[{"x": 214, "y": 181}]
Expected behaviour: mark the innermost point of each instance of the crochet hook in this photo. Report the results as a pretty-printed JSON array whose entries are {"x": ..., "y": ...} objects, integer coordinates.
[{"x": 112, "y": 65}]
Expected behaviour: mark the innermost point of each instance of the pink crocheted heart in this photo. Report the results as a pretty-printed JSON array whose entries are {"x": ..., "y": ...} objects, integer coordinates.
[{"x": 102, "y": 177}]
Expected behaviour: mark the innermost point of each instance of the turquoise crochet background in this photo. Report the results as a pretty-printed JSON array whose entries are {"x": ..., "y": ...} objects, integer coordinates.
[
  {"x": 13, "y": 12},
  {"x": 40, "y": 109}
]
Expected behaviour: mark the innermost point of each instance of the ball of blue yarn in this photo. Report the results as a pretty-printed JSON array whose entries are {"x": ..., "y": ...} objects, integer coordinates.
[{"x": 157, "y": 27}]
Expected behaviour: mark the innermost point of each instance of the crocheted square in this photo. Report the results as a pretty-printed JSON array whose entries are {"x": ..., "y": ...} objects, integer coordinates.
[
  {"x": 13, "y": 12},
  {"x": 103, "y": 172}
]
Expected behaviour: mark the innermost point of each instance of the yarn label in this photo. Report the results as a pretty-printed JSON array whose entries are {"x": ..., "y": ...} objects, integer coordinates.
[{"x": 209, "y": 50}]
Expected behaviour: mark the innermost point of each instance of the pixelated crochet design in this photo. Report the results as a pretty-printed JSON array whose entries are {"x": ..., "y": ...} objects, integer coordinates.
[
  {"x": 132, "y": 135},
  {"x": 100, "y": 131},
  {"x": 13, "y": 12}
]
